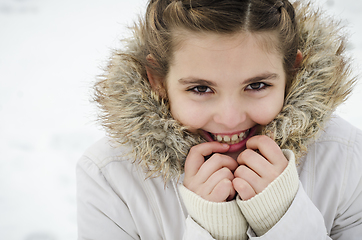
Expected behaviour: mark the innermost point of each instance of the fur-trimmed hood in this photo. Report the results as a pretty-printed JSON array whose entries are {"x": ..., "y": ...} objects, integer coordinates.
[{"x": 133, "y": 115}]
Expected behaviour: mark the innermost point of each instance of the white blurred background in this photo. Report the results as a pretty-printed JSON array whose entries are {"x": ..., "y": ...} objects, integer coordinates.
[{"x": 50, "y": 54}]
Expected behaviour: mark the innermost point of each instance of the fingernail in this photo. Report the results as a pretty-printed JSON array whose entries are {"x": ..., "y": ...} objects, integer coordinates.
[{"x": 225, "y": 145}]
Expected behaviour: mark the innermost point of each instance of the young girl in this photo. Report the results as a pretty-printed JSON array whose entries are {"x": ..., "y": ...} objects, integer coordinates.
[{"x": 219, "y": 116}]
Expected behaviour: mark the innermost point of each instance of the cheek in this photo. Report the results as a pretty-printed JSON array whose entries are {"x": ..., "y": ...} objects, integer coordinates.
[
  {"x": 188, "y": 114},
  {"x": 266, "y": 111}
]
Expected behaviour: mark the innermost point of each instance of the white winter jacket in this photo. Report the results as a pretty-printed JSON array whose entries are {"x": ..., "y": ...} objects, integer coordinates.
[{"x": 116, "y": 201}]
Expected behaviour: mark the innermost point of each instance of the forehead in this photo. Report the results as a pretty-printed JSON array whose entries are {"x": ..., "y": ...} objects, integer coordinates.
[
  {"x": 267, "y": 40},
  {"x": 226, "y": 58}
]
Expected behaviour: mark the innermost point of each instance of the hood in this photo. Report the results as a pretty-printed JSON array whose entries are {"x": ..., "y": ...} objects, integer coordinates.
[{"x": 133, "y": 115}]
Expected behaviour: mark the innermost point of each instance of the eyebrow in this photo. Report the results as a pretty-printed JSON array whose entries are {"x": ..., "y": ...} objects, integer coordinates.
[
  {"x": 264, "y": 76},
  {"x": 261, "y": 77},
  {"x": 187, "y": 81}
]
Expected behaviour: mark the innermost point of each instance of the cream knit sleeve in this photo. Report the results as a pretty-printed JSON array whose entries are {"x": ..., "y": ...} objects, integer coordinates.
[
  {"x": 264, "y": 210},
  {"x": 223, "y": 220}
]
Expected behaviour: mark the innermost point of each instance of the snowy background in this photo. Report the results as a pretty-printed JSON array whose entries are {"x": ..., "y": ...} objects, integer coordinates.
[{"x": 50, "y": 53}]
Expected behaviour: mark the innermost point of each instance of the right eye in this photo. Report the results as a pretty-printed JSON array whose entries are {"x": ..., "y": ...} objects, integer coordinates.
[{"x": 201, "y": 90}]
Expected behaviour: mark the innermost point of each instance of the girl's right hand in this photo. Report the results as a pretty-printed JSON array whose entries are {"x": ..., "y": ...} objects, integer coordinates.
[{"x": 211, "y": 179}]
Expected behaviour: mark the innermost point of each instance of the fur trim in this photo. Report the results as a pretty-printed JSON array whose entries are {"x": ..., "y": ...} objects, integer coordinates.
[
  {"x": 323, "y": 82},
  {"x": 134, "y": 115}
]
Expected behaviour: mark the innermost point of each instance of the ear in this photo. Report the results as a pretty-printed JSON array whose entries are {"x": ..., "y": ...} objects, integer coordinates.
[
  {"x": 156, "y": 82},
  {"x": 298, "y": 59}
]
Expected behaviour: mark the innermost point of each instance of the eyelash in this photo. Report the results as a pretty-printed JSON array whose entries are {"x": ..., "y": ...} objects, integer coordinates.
[
  {"x": 264, "y": 86},
  {"x": 207, "y": 90},
  {"x": 196, "y": 90}
]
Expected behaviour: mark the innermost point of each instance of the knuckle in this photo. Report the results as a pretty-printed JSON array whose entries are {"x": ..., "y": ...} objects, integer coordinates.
[
  {"x": 223, "y": 160},
  {"x": 225, "y": 171},
  {"x": 193, "y": 149},
  {"x": 225, "y": 185},
  {"x": 244, "y": 190},
  {"x": 226, "y": 182},
  {"x": 264, "y": 138},
  {"x": 242, "y": 185},
  {"x": 238, "y": 172},
  {"x": 243, "y": 156},
  {"x": 248, "y": 153},
  {"x": 243, "y": 169},
  {"x": 217, "y": 156}
]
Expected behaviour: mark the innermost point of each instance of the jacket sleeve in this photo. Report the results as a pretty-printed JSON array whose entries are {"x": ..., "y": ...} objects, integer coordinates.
[
  {"x": 265, "y": 209},
  {"x": 99, "y": 207},
  {"x": 301, "y": 221},
  {"x": 304, "y": 221},
  {"x": 348, "y": 221},
  {"x": 283, "y": 210},
  {"x": 223, "y": 220}
]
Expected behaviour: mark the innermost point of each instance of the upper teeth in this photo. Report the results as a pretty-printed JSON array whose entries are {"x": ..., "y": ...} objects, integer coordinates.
[{"x": 236, "y": 138}]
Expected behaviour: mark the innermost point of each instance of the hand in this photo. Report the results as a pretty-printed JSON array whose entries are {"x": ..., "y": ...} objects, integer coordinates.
[
  {"x": 260, "y": 164},
  {"x": 211, "y": 179}
]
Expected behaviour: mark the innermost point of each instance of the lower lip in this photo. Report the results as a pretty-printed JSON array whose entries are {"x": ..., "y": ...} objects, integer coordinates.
[{"x": 240, "y": 145}]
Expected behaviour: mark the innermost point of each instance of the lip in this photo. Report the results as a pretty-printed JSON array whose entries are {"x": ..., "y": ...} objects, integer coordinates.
[{"x": 233, "y": 147}]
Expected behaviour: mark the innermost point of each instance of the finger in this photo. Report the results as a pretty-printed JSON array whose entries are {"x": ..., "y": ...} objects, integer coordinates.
[
  {"x": 214, "y": 179},
  {"x": 267, "y": 147},
  {"x": 215, "y": 163},
  {"x": 257, "y": 183},
  {"x": 195, "y": 157},
  {"x": 223, "y": 190},
  {"x": 243, "y": 188},
  {"x": 254, "y": 161}
]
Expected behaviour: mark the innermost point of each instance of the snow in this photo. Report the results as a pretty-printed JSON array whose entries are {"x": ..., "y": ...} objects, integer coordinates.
[{"x": 50, "y": 54}]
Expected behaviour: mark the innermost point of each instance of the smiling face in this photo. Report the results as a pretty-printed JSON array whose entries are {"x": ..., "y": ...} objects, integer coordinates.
[{"x": 225, "y": 86}]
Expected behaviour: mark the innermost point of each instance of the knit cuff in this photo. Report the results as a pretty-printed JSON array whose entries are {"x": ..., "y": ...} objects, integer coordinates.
[
  {"x": 264, "y": 210},
  {"x": 222, "y": 220}
]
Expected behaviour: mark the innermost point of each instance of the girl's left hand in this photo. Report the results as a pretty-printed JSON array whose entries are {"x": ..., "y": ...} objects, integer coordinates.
[{"x": 260, "y": 163}]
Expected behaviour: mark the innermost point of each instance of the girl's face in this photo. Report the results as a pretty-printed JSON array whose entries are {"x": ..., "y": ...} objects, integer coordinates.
[{"x": 226, "y": 87}]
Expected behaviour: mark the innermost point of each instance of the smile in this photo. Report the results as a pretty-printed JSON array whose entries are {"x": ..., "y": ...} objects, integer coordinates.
[
  {"x": 230, "y": 139},
  {"x": 236, "y": 140}
]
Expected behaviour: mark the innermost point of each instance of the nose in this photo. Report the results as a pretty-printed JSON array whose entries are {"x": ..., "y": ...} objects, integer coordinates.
[{"x": 230, "y": 113}]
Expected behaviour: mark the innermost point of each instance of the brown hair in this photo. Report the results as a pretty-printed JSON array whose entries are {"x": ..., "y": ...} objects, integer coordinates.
[{"x": 163, "y": 17}]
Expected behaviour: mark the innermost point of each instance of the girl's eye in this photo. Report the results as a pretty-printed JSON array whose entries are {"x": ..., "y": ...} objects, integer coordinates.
[
  {"x": 257, "y": 86},
  {"x": 201, "y": 89}
]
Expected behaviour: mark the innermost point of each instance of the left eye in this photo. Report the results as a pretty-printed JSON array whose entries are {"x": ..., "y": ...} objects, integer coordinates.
[{"x": 256, "y": 86}]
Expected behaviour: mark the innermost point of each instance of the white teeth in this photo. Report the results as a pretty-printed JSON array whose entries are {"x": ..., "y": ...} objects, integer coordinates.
[
  {"x": 233, "y": 139},
  {"x": 242, "y": 135}
]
